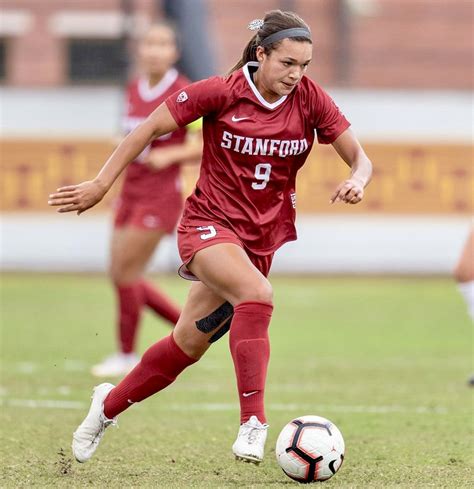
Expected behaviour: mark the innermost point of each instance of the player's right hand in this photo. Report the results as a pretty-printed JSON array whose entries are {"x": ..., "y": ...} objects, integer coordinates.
[{"x": 77, "y": 197}]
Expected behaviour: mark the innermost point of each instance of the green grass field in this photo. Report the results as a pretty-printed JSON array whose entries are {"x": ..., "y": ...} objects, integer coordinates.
[{"x": 386, "y": 359}]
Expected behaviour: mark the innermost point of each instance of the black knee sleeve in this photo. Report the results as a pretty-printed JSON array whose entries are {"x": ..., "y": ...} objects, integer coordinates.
[
  {"x": 219, "y": 319},
  {"x": 221, "y": 331}
]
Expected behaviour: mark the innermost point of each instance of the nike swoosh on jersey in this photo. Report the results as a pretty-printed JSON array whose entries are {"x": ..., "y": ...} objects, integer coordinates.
[
  {"x": 248, "y": 394},
  {"x": 237, "y": 119}
]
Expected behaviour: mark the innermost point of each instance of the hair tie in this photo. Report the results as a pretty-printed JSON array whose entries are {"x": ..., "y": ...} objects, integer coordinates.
[{"x": 255, "y": 25}]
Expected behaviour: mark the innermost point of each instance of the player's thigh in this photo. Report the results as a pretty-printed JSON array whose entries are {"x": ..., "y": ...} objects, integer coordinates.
[
  {"x": 227, "y": 270},
  {"x": 464, "y": 271},
  {"x": 201, "y": 320},
  {"x": 131, "y": 249}
]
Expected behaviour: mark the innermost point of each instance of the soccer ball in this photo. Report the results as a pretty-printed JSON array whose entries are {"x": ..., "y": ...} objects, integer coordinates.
[{"x": 310, "y": 448}]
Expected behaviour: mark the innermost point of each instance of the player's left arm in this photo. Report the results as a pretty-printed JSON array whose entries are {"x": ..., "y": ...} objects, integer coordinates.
[{"x": 351, "y": 191}]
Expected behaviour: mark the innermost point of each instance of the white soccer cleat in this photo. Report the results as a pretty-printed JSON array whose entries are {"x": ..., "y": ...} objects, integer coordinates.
[
  {"x": 250, "y": 442},
  {"x": 115, "y": 365},
  {"x": 86, "y": 438}
]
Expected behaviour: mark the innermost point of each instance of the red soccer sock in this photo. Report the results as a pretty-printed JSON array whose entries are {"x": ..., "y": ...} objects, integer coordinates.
[
  {"x": 158, "y": 368},
  {"x": 160, "y": 303},
  {"x": 130, "y": 302},
  {"x": 250, "y": 348}
]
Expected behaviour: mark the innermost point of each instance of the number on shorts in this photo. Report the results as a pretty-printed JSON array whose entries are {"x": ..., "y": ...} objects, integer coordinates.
[
  {"x": 212, "y": 231},
  {"x": 262, "y": 174}
]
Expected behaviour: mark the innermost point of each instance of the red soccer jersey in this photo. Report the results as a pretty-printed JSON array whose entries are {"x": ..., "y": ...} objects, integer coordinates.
[
  {"x": 252, "y": 152},
  {"x": 142, "y": 182}
]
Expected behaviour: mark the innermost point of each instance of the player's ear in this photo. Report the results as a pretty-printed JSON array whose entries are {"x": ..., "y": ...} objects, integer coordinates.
[{"x": 260, "y": 53}]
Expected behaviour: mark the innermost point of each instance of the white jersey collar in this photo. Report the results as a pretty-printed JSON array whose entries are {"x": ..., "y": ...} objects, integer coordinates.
[
  {"x": 148, "y": 94},
  {"x": 246, "y": 71}
]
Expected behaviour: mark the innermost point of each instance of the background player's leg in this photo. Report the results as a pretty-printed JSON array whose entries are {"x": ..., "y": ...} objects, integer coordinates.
[
  {"x": 464, "y": 273},
  {"x": 156, "y": 300},
  {"x": 131, "y": 250},
  {"x": 162, "y": 362},
  {"x": 464, "y": 276}
]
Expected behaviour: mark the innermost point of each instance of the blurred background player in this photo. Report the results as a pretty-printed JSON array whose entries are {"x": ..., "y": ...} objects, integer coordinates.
[
  {"x": 464, "y": 276},
  {"x": 150, "y": 202}
]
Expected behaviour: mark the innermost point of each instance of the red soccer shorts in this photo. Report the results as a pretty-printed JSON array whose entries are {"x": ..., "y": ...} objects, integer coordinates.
[
  {"x": 191, "y": 239},
  {"x": 147, "y": 215}
]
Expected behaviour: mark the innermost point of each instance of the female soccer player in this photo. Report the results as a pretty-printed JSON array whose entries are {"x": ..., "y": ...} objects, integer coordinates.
[
  {"x": 259, "y": 127},
  {"x": 150, "y": 202}
]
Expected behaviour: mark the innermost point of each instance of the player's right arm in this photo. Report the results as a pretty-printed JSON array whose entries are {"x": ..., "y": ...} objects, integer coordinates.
[
  {"x": 199, "y": 99},
  {"x": 85, "y": 195}
]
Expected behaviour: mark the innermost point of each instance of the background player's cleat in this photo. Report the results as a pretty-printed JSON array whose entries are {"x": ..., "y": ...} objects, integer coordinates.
[
  {"x": 115, "y": 365},
  {"x": 470, "y": 381},
  {"x": 250, "y": 442},
  {"x": 86, "y": 438}
]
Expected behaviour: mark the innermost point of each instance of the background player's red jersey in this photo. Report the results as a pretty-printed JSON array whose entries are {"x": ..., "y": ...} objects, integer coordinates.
[
  {"x": 252, "y": 152},
  {"x": 142, "y": 182}
]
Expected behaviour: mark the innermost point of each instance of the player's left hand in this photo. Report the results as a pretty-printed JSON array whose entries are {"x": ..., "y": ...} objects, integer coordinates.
[
  {"x": 157, "y": 159},
  {"x": 350, "y": 191}
]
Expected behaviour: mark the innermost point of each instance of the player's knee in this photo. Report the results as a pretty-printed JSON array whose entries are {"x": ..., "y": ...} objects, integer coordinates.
[
  {"x": 117, "y": 276},
  {"x": 192, "y": 347},
  {"x": 123, "y": 273},
  {"x": 262, "y": 292}
]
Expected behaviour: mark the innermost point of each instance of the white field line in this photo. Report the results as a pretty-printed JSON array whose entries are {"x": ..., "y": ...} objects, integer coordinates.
[
  {"x": 29, "y": 368},
  {"x": 43, "y": 403},
  {"x": 208, "y": 406},
  {"x": 313, "y": 408}
]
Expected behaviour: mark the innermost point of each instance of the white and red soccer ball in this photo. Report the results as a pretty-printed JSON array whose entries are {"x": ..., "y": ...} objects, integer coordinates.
[{"x": 310, "y": 449}]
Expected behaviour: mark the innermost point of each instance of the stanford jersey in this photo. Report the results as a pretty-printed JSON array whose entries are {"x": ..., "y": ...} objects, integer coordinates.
[
  {"x": 141, "y": 182},
  {"x": 252, "y": 152}
]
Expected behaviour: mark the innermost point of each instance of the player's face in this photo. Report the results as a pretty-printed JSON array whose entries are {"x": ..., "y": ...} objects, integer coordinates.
[
  {"x": 282, "y": 69},
  {"x": 157, "y": 51}
]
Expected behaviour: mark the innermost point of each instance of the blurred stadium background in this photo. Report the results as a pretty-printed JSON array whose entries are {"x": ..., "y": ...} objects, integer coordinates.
[{"x": 402, "y": 71}]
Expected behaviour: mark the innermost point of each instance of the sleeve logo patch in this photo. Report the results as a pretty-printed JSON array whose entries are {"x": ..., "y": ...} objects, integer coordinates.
[{"x": 182, "y": 97}]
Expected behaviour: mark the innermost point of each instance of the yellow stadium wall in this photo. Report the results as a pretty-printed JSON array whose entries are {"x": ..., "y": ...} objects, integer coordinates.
[{"x": 408, "y": 178}]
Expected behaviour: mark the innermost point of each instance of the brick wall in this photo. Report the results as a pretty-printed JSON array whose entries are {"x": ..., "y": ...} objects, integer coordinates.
[
  {"x": 415, "y": 44},
  {"x": 361, "y": 43},
  {"x": 387, "y": 44},
  {"x": 37, "y": 57}
]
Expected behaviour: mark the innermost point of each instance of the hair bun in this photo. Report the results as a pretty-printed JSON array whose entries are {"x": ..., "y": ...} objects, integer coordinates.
[{"x": 256, "y": 24}]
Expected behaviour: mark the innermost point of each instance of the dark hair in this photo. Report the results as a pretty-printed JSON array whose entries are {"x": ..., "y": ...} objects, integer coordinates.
[{"x": 274, "y": 21}]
